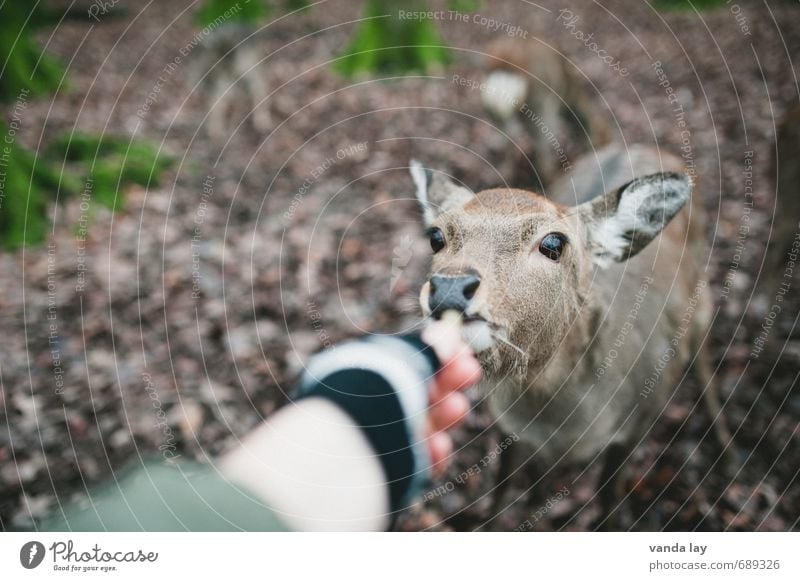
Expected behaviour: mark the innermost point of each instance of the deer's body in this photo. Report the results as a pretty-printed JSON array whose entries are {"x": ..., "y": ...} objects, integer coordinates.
[
  {"x": 585, "y": 307},
  {"x": 228, "y": 68},
  {"x": 786, "y": 221},
  {"x": 531, "y": 86},
  {"x": 605, "y": 383}
]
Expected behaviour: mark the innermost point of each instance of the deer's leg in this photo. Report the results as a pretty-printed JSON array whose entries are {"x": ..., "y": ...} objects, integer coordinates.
[
  {"x": 709, "y": 385},
  {"x": 610, "y": 487},
  {"x": 599, "y": 132},
  {"x": 511, "y": 461},
  {"x": 547, "y": 131},
  {"x": 218, "y": 102},
  {"x": 257, "y": 88},
  {"x": 517, "y": 466}
]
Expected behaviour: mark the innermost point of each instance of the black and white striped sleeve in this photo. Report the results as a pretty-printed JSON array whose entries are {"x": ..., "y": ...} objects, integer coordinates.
[{"x": 382, "y": 384}]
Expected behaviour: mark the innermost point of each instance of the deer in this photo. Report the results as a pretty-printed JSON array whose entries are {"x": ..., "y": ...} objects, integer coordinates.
[
  {"x": 531, "y": 86},
  {"x": 584, "y": 306},
  {"x": 775, "y": 279},
  {"x": 227, "y": 71}
]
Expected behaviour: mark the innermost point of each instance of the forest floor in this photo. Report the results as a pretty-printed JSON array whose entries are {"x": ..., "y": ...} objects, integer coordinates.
[{"x": 181, "y": 321}]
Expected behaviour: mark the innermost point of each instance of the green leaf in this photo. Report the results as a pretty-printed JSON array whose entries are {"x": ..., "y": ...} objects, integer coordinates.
[{"x": 386, "y": 44}]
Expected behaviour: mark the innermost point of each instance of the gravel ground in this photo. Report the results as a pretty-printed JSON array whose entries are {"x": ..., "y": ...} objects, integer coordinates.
[{"x": 180, "y": 322}]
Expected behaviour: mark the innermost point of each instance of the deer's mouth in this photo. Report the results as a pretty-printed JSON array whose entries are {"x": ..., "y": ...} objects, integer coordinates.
[
  {"x": 473, "y": 319},
  {"x": 477, "y": 333}
]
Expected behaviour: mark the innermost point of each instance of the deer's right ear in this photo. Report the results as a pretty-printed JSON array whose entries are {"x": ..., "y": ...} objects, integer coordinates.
[{"x": 436, "y": 192}]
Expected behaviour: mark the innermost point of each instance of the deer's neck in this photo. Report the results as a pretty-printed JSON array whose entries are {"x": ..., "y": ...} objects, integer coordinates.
[{"x": 573, "y": 356}]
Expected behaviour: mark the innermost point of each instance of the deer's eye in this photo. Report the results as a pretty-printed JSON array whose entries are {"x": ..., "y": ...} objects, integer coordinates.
[
  {"x": 552, "y": 246},
  {"x": 437, "y": 239}
]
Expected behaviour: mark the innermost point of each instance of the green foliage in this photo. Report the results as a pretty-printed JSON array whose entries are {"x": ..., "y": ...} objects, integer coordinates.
[
  {"x": 384, "y": 43},
  {"x": 29, "y": 181},
  {"x": 23, "y": 64},
  {"x": 111, "y": 163},
  {"x": 24, "y": 179},
  {"x": 292, "y": 5},
  {"x": 676, "y": 5},
  {"x": 22, "y": 209},
  {"x": 231, "y": 11},
  {"x": 464, "y": 5}
]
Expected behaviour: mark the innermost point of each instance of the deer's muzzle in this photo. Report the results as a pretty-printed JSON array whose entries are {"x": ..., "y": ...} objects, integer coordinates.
[{"x": 449, "y": 292}]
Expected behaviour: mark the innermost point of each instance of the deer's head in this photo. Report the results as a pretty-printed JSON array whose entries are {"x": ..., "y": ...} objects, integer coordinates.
[{"x": 519, "y": 267}]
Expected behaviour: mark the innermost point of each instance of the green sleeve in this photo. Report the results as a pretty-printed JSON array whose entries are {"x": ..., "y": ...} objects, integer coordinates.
[{"x": 160, "y": 497}]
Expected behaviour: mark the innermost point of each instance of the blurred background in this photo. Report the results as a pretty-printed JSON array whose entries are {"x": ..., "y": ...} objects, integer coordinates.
[{"x": 196, "y": 195}]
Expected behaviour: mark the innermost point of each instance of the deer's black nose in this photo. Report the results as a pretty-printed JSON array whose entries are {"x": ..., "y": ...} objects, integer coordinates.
[{"x": 452, "y": 292}]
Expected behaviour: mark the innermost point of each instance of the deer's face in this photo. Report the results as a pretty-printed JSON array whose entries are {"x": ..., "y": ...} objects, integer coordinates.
[
  {"x": 514, "y": 264},
  {"x": 518, "y": 266}
]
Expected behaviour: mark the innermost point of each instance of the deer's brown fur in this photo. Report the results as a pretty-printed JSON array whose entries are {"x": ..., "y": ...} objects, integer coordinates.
[{"x": 582, "y": 353}]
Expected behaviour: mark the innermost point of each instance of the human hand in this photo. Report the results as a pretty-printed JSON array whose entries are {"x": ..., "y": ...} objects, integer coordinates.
[{"x": 448, "y": 406}]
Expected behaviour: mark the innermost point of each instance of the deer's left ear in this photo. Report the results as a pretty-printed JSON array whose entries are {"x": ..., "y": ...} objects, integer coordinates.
[
  {"x": 624, "y": 221},
  {"x": 436, "y": 192}
]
